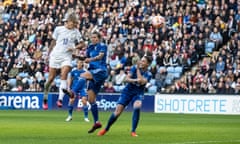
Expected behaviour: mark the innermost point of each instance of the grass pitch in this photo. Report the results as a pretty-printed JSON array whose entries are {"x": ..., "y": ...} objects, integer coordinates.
[{"x": 49, "y": 127}]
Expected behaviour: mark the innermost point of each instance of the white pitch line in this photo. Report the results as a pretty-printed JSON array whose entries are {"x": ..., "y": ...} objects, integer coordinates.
[{"x": 205, "y": 142}]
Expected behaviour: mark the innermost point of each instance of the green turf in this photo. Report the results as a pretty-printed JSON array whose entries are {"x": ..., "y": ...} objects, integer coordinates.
[{"x": 49, "y": 127}]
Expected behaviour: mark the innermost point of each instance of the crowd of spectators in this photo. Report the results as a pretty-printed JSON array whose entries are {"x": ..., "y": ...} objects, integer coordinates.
[{"x": 192, "y": 32}]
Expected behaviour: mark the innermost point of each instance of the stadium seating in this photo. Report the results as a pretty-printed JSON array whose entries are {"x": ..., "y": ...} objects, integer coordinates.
[
  {"x": 177, "y": 72},
  {"x": 209, "y": 46},
  {"x": 179, "y": 35}
]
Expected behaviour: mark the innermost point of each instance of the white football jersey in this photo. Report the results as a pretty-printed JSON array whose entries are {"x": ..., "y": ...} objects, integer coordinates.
[{"x": 65, "y": 39}]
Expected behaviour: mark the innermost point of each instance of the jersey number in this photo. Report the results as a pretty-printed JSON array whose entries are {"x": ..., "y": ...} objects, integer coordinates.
[{"x": 65, "y": 41}]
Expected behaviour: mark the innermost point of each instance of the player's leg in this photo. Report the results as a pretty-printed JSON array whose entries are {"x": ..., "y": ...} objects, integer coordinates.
[
  {"x": 136, "y": 116},
  {"x": 92, "y": 100},
  {"x": 79, "y": 87},
  {"x": 85, "y": 108},
  {"x": 83, "y": 94},
  {"x": 94, "y": 110},
  {"x": 63, "y": 83},
  {"x": 70, "y": 109},
  {"x": 97, "y": 78},
  {"x": 47, "y": 86},
  {"x": 113, "y": 118},
  {"x": 123, "y": 100}
]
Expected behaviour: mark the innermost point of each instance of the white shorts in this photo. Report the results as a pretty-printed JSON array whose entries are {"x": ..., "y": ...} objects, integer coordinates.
[{"x": 59, "y": 62}]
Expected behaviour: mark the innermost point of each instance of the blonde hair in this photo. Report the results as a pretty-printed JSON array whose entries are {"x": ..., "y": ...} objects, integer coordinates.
[{"x": 72, "y": 17}]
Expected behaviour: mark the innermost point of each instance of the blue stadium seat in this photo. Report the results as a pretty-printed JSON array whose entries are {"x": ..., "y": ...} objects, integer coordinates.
[
  {"x": 160, "y": 68},
  {"x": 209, "y": 46},
  {"x": 12, "y": 82},
  {"x": 23, "y": 74},
  {"x": 169, "y": 78},
  {"x": 177, "y": 75},
  {"x": 46, "y": 75},
  {"x": 170, "y": 69},
  {"x": 57, "y": 81},
  {"x": 152, "y": 89},
  {"x": 177, "y": 72},
  {"x": 152, "y": 81},
  {"x": 30, "y": 81},
  {"x": 178, "y": 69}
]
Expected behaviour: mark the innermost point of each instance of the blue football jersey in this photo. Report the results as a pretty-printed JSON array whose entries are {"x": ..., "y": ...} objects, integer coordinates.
[
  {"x": 135, "y": 88},
  {"x": 75, "y": 74},
  {"x": 93, "y": 51}
]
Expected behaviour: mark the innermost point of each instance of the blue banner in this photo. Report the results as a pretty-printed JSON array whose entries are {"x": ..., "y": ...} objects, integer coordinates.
[
  {"x": 105, "y": 101},
  {"x": 21, "y": 100}
]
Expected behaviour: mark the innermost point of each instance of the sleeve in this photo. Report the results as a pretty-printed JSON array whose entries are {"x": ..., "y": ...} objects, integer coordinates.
[
  {"x": 133, "y": 70},
  {"x": 55, "y": 33},
  {"x": 149, "y": 76},
  {"x": 79, "y": 36},
  {"x": 103, "y": 48},
  {"x": 88, "y": 51}
]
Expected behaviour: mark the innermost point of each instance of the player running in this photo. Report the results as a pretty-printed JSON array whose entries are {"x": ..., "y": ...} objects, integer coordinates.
[{"x": 138, "y": 77}]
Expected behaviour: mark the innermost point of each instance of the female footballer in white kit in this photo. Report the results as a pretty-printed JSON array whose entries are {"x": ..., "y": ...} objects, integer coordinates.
[{"x": 60, "y": 50}]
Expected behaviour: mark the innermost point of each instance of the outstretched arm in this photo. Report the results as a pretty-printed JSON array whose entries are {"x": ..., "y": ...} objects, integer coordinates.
[
  {"x": 96, "y": 58},
  {"x": 81, "y": 45}
]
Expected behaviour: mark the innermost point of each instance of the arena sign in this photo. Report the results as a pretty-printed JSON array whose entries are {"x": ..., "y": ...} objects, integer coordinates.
[
  {"x": 20, "y": 101},
  {"x": 105, "y": 101}
]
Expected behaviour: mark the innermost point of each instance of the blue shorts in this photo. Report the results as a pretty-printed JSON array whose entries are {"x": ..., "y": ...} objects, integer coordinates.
[
  {"x": 99, "y": 77},
  {"x": 126, "y": 98},
  {"x": 79, "y": 88},
  {"x": 83, "y": 93}
]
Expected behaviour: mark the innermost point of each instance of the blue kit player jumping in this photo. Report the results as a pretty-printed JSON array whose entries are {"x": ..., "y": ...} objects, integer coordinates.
[
  {"x": 77, "y": 86},
  {"x": 97, "y": 73},
  {"x": 138, "y": 77}
]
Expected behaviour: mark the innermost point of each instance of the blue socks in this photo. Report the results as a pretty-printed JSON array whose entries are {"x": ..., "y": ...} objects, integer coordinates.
[
  {"x": 85, "y": 111},
  {"x": 70, "y": 110},
  {"x": 111, "y": 120},
  {"x": 94, "y": 110},
  {"x": 135, "y": 118}
]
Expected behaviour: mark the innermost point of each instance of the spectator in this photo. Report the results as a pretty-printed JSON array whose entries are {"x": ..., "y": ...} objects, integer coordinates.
[
  {"x": 205, "y": 66},
  {"x": 108, "y": 87},
  {"x": 119, "y": 81},
  {"x": 26, "y": 27},
  {"x": 220, "y": 67},
  {"x": 216, "y": 37},
  {"x": 174, "y": 60},
  {"x": 160, "y": 78}
]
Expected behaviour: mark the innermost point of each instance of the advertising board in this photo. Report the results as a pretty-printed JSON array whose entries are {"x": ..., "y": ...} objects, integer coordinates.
[
  {"x": 199, "y": 104},
  {"x": 105, "y": 101}
]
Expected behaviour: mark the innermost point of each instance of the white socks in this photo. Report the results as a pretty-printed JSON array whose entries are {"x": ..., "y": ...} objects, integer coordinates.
[{"x": 63, "y": 84}]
